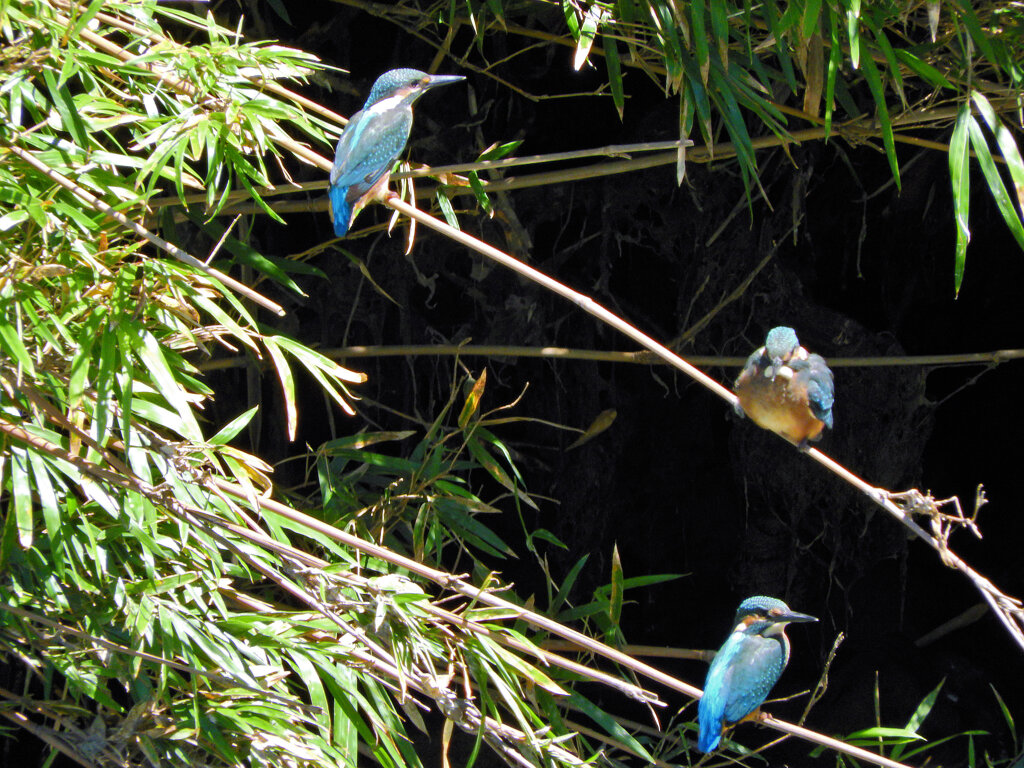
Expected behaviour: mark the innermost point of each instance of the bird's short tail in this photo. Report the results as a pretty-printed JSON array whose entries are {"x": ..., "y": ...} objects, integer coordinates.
[
  {"x": 341, "y": 209},
  {"x": 710, "y": 728}
]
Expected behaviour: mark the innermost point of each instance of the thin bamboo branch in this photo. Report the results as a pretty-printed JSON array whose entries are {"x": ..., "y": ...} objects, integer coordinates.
[
  {"x": 642, "y": 357},
  {"x": 653, "y": 651},
  {"x": 169, "y": 248},
  {"x": 584, "y": 302}
]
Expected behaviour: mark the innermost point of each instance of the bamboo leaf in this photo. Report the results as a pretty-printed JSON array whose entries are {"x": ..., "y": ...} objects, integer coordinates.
[
  {"x": 473, "y": 400},
  {"x": 1007, "y": 144},
  {"x": 21, "y": 495},
  {"x": 284, "y": 375},
  {"x": 995, "y": 182},
  {"x": 875, "y": 84},
  {"x": 614, "y": 66},
  {"x": 960, "y": 175},
  {"x": 616, "y": 595},
  {"x": 585, "y": 40},
  {"x": 853, "y": 32},
  {"x": 700, "y": 38},
  {"x": 151, "y": 354}
]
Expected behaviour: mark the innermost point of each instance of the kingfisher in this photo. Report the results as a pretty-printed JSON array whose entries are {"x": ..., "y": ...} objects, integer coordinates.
[
  {"x": 373, "y": 139},
  {"x": 746, "y": 667},
  {"x": 786, "y": 389}
]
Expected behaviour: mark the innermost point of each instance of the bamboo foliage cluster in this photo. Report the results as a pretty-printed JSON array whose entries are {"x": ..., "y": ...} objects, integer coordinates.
[
  {"x": 153, "y": 608},
  {"x": 734, "y": 61}
]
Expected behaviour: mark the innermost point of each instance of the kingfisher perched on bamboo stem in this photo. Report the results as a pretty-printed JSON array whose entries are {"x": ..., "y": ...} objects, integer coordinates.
[
  {"x": 373, "y": 139},
  {"x": 746, "y": 667},
  {"x": 786, "y": 389}
]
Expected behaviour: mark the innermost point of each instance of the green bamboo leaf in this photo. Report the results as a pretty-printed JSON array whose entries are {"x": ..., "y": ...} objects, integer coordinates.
[
  {"x": 44, "y": 485},
  {"x": 246, "y": 254},
  {"x": 11, "y": 344},
  {"x": 890, "y": 57},
  {"x": 887, "y": 735},
  {"x": 65, "y": 107},
  {"x": 498, "y": 151},
  {"x": 924, "y": 708},
  {"x": 771, "y": 13},
  {"x": 672, "y": 48},
  {"x": 616, "y": 595},
  {"x": 609, "y": 724},
  {"x": 1007, "y": 714},
  {"x": 835, "y": 57},
  {"x": 960, "y": 175},
  {"x": 875, "y": 84},
  {"x": 700, "y": 38},
  {"x": 81, "y": 20},
  {"x": 284, "y": 375},
  {"x": 527, "y": 670},
  {"x": 478, "y": 452},
  {"x": 853, "y": 32},
  {"x": 719, "y": 12},
  {"x": 1007, "y": 144},
  {"x": 314, "y": 689},
  {"x": 614, "y": 66},
  {"x": 924, "y": 70},
  {"x": 918, "y": 717},
  {"x": 995, "y": 182},
  {"x": 978, "y": 35},
  {"x": 569, "y": 12},
  {"x": 152, "y": 355},
  {"x": 21, "y": 493},
  {"x": 811, "y": 18},
  {"x": 446, "y": 208},
  {"x": 472, "y": 529},
  {"x": 567, "y": 584},
  {"x": 228, "y": 432},
  {"x": 473, "y": 400},
  {"x": 480, "y": 193},
  {"x": 588, "y": 30},
  {"x": 697, "y": 95}
]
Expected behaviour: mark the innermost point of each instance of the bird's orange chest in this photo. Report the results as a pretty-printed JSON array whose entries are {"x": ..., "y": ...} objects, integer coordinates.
[{"x": 778, "y": 403}]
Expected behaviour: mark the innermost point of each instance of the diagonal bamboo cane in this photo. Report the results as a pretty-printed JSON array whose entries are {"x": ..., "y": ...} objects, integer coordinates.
[{"x": 1006, "y": 609}]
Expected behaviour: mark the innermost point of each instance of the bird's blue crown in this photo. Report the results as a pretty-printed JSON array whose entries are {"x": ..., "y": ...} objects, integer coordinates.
[
  {"x": 781, "y": 342},
  {"x": 759, "y": 605},
  {"x": 390, "y": 82}
]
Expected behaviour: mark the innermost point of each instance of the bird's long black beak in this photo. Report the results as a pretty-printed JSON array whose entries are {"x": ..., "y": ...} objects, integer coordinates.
[
  {"x": 436, "y": 80},
  {"x": 793, "y": 617}
]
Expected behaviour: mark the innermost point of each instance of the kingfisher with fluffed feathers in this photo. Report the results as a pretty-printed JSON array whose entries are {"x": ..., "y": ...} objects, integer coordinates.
[
  {"x": 787, "y": 389},
  {"x": 373, "y": 140},
  {"x": 746, "y": 667}
]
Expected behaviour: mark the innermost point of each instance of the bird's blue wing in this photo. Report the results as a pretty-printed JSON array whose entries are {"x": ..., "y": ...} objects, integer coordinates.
[
  {"x": 718, "y": 698},
  {"x": 367, "y": 149},
  {"x": 815, "y": 373},
  {"x": 757, "y": 665}
]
